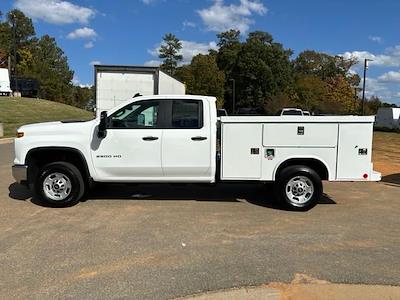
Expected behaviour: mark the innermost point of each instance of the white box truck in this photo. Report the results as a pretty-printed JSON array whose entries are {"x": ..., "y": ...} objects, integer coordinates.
[
  {"x": 388, "y": 117},
  {"x": 153, "y": 139},
  {"x": 115, "y": 84},
  {"x": 5, "y": 82}
]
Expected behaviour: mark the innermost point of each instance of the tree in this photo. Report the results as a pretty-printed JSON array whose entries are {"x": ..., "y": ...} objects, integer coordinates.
[
  {"x": 24, "y": 29},
  {"x": 325, "y": 66},
  {"x": 262, "y": 70},
  {"x": 340, "y": 96},
  {"x": 310, "y": 91},
  {"x": 82, "y": 97},
  {"x": 202, "y": 77},
  {"x": 372, "y": 105},
  {"x": 169, "y": 52},
  {"x": 50, "y": 67},
  {"x": 20, "y": 32},
  {"x": 229, "y": 47}
]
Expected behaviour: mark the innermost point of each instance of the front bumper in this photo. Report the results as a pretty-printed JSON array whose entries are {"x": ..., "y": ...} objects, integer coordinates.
[{"x": 20, "y": 173}]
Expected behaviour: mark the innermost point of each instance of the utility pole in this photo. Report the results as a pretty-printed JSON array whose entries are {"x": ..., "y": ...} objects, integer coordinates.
[
  {"x": 365, "y": 76},
  {"x": 233, "y": 95},
  {"x": 14, "y": 35}
]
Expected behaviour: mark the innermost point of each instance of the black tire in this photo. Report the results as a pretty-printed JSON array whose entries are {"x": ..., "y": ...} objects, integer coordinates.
[
  {"x": 302, "y": 178},
  {"x": 70, "y": 174}
]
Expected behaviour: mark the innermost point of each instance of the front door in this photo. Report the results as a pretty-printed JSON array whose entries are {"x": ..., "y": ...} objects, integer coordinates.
[
  {"x": 131, "y": 151},
  {"x": 186, "y": 145}
]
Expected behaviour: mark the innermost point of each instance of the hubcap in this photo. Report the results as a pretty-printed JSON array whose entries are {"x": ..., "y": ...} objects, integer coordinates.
[
  {"x": 57, "y": 186},
  {"x": 299, "y": 190}
]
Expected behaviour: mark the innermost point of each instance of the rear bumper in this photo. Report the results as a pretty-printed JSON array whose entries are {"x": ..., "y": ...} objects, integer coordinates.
[
  {"x": 376, "y": 176},
  {"x": 20, "y": 173}
]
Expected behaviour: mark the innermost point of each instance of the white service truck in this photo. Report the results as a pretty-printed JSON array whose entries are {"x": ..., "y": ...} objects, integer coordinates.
[{"x": 174, "y": 139}]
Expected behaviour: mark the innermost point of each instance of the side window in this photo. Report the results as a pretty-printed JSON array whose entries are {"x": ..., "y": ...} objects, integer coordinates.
[
  {"x": 187, "y": 114},
  {"x": 136, "y": 115}
]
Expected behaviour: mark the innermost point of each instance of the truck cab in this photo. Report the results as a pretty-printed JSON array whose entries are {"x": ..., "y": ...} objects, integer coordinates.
[{"x": 174, "y": 139}]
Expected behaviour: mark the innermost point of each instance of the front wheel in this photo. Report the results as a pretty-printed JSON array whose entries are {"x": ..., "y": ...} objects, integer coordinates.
[
  {"x": 299, "y": 187},
  {"x": 60, "y": 184}
]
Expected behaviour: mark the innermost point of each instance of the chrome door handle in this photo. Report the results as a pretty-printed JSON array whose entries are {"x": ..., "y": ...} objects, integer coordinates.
[
  {"x": 150, "y": 138},
  {"x": 199, "y": 138}
]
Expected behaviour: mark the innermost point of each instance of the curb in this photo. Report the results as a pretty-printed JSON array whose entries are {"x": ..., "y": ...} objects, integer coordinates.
[
  {"x": 253, "y": 293},
  {"x": 317, "y": 290},
  {"x": 6, "y": 140}
]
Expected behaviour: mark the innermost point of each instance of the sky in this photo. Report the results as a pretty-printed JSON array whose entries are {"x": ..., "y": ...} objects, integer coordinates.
[{"x": 129, "y": 32}]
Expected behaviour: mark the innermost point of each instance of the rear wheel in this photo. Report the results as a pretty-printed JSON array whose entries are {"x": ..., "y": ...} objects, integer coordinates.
[
  {"x": 299, "y": 187},
  {"x": 60, "y": 184}
]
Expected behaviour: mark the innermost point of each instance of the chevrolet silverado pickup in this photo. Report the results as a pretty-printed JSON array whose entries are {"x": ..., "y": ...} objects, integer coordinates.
[{"x": 180, "y": 139}]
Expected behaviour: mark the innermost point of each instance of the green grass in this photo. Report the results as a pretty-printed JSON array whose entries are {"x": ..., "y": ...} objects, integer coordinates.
[{"x": 15, "y": 112}]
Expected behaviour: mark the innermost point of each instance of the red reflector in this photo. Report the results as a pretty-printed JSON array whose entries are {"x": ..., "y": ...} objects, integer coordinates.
[{"x": 365, "y": 176}]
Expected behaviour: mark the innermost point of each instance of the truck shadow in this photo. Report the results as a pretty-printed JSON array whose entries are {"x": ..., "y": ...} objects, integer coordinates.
[
  {"x": 392, "y": 178},
  {"x": 254, "y": 193}
]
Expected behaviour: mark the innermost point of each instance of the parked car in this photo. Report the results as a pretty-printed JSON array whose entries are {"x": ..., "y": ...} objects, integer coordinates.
[
  {"x": 222, "y": 112},
  {"x": 292, "y": 112}
]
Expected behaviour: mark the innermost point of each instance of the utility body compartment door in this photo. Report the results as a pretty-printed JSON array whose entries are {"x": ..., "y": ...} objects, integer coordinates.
[
  {"x": 241, "y": 151},
  {"x": 295, "y": 135},
  {"x": 354, "y": 151}
]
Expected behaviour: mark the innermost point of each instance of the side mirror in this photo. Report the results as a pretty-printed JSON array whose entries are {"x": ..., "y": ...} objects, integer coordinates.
[{"x": 102, "y": 131}]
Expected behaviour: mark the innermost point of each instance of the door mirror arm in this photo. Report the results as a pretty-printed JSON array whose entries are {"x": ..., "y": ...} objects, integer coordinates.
[{"x": 102, "y": 128}]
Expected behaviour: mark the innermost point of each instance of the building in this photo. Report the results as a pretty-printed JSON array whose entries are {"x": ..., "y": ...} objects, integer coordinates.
[{"x": 117, "y": 84}]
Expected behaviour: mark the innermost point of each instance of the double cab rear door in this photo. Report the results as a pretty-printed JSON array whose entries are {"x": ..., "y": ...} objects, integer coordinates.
[{"x": 156, "y": 140}]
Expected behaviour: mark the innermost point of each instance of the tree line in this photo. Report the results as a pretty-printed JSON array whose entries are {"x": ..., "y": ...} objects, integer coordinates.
[
  {"x": 39, "y": 58},
  {"x": 264, "y": 76}
]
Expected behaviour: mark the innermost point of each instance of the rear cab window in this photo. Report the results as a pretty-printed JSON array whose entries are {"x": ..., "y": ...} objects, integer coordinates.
[{"x": 187, "y": 114}]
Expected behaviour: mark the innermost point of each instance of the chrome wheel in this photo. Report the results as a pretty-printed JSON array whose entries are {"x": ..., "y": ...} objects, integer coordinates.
[
  {"x": 299, "y": 190},
  {"x": 57, "y": 186}
]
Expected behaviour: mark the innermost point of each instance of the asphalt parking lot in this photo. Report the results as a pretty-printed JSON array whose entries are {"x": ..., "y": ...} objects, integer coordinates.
[{"x": 162, "y": 241}]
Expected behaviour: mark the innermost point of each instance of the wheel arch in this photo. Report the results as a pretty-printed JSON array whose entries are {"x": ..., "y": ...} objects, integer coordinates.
[
  {"x": 318, "y": 165},
  {"x": 40, "y": 156}
]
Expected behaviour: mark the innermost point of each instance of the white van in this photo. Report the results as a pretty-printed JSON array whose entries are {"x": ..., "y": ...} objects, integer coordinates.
[{"x": 4, "y": 82}]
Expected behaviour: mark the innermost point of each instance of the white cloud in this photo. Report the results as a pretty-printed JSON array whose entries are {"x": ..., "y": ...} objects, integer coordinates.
[
  {"x": 152, "y": 63},
  {"x": 95, "y": 62},
  {"x": 147, "y": 2},
  {"x": 82, "y": 33},
  {"x": 376, "y": 39},
  {"x": 55, "y": 11},
  {"x": 390, "y": 57},
  {"x": 386, "y": 91},
  {"x": 220, "y": 17},
  {"x": 391, "y": 76},
  {"x": 88, "y": 45},
  {"x": 189, "y": 49},
  {"x": 75, "y": 81},
  {"x": 188, "y": 24}
]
